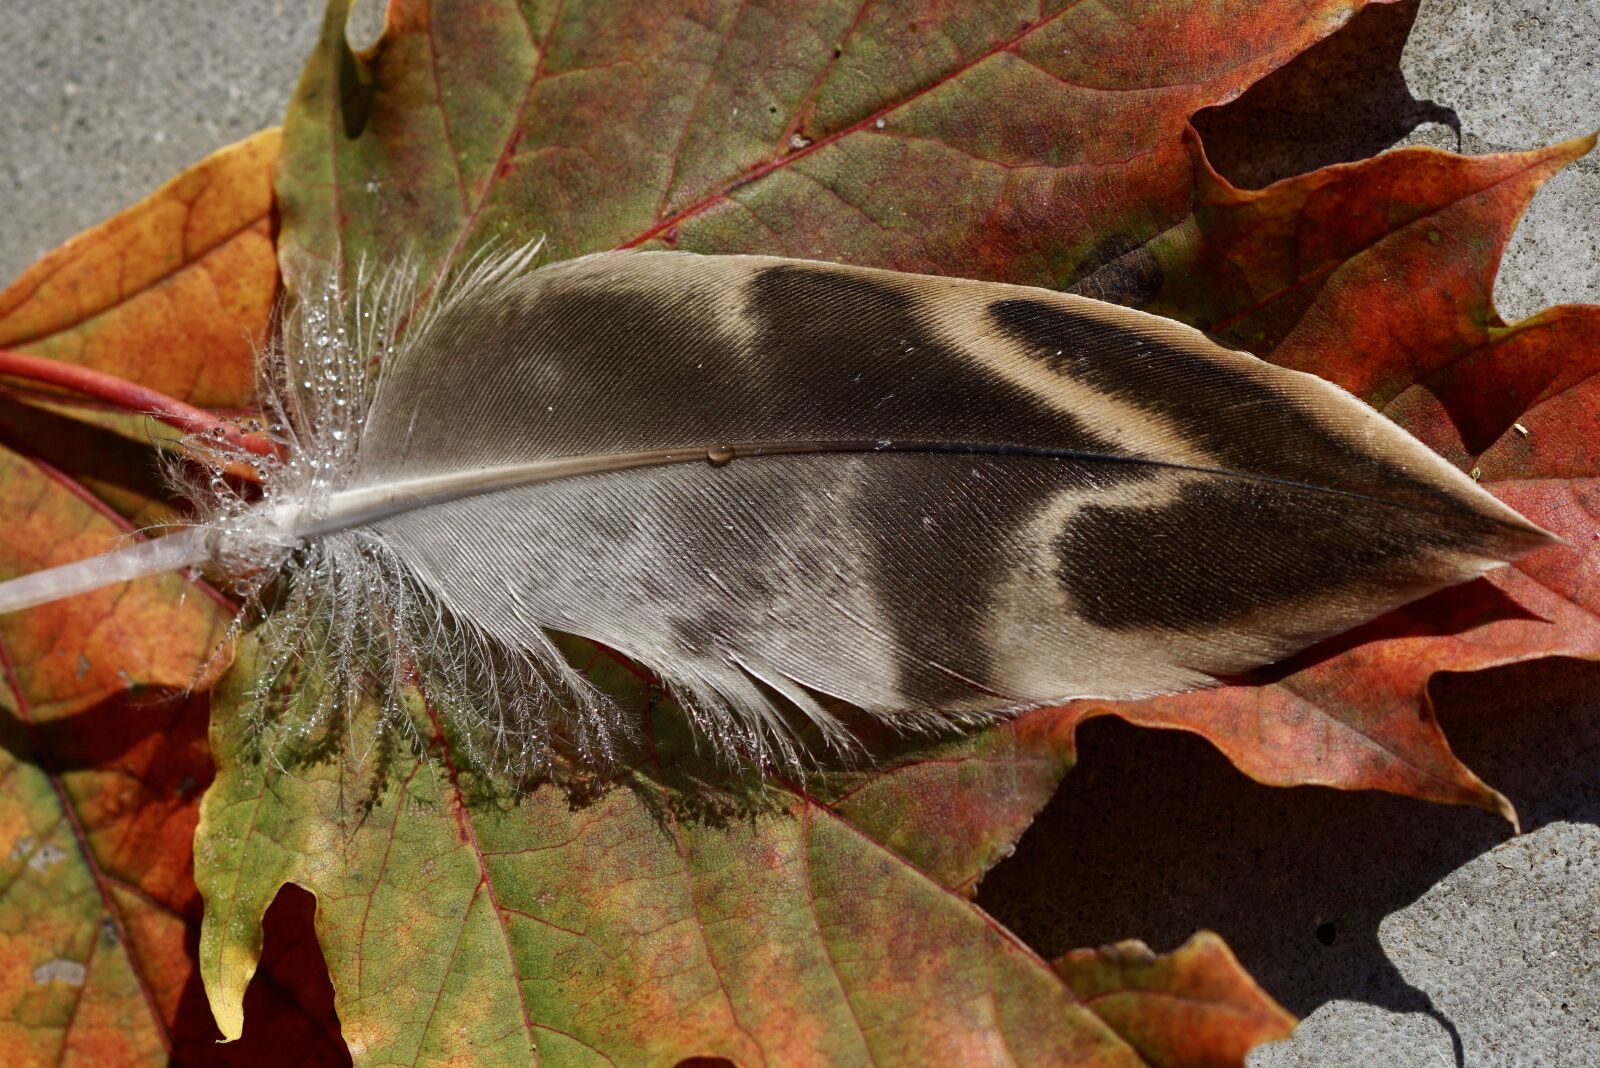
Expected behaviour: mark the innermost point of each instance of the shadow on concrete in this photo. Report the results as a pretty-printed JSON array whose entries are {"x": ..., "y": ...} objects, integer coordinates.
[
  {"x": 1344, "y": 99},
  {"x": 1154, "y": 835}
]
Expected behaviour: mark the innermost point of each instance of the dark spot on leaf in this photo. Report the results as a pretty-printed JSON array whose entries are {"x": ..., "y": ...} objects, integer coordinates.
[{"x": 1326, "y": 933}]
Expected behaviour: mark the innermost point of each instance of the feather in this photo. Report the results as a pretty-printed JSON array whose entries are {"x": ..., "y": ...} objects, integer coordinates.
[{"x": 773, "y": 482}]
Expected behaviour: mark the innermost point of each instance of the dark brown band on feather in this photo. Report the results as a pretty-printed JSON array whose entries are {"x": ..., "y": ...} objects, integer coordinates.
[
  {"x": 935, "y": 581},
  {"x": 1225, "y": 548}
]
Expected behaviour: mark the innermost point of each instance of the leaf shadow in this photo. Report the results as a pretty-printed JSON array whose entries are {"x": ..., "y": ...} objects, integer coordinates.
[
  {"x": 87, "y": 453},
  {"x": 101, "y": 736},
  {"x": 1154, "y": 835},
  {"x": 1343, "y": 99}
]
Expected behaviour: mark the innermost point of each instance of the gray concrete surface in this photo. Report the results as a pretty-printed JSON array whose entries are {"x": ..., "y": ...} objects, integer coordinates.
[
  {"x": 1508, "y": 949},
  {"x": 103, "y": 100},
  {"x": 1406, "y": 934}
]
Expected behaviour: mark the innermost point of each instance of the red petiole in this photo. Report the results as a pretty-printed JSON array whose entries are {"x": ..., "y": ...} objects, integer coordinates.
[{"x": 131, "y": 397}]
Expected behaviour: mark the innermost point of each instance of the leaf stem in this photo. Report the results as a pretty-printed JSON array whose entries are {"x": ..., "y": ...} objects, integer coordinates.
[{"x": 131, "y": 397}]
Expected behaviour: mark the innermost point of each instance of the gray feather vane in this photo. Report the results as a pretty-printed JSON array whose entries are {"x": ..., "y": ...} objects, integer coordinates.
[{"x": 777, "y": 482}]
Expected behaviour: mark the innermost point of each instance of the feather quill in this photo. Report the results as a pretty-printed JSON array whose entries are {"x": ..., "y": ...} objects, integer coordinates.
[{"x": 774, "y": 482}]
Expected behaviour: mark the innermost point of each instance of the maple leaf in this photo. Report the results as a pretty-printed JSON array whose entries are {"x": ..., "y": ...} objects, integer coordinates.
[
  {"x": 999, "y": 144},
  {"x": 830, "y": 922},
  {"x": 674, "y": 917},
  {"x": 105, "y": 761}
]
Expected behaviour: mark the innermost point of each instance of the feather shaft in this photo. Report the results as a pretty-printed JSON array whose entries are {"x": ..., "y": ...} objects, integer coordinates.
[
  {"x": 359, "y": 507},
  {"x": 188, "y": 548},
  {"x": 354, "y": 508}
]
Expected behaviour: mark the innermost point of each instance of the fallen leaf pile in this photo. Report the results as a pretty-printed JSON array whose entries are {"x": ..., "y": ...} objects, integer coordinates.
[{"x": 671, "y": 916}]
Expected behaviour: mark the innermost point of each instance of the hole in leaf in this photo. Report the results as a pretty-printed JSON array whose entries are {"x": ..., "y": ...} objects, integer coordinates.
[
  {"x": 363, "y": 26},
  {"x": 289, "y": 1003}
]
